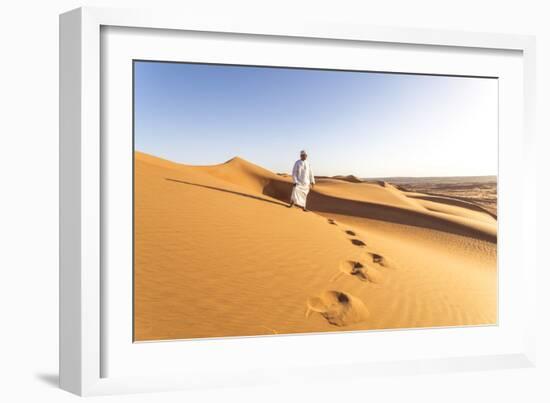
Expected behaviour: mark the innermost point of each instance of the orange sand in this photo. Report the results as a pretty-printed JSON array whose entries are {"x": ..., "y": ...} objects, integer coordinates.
[{"x": 218, "y": 253}]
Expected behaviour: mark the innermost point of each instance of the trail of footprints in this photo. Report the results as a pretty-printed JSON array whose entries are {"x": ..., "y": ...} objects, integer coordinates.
[{"x": 340, "y": 308}]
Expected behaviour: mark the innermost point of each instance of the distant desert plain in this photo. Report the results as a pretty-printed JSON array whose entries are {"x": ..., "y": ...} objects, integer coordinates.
[{"x": 218, "y": 253}]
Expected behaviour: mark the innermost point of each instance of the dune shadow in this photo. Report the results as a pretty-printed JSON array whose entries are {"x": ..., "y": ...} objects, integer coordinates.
[
  {"x": 228, "y": 191},
  {"x": 453, "y": 201},
  {"x": 322, "y": 203},
  {"x": 334, "y": 205}
]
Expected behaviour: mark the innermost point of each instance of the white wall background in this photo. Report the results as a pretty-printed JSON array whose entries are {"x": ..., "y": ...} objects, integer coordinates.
[{"x": 29, "y": 186}]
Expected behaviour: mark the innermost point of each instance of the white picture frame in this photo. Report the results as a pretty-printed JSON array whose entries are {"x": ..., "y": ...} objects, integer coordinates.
[{"x": 84, "y": 339}]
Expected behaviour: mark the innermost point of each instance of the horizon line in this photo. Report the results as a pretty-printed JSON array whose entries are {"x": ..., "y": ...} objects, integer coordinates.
[{"x": 325, "y": 176}]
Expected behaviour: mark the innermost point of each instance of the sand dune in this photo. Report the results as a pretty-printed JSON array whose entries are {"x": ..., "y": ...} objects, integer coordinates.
[
  {"x": 218, "y": 253},
  {"x": 481, "y": 190}
]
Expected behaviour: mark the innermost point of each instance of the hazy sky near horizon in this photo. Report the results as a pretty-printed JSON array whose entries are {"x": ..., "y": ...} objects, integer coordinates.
[{"x": 361, "y": 123}]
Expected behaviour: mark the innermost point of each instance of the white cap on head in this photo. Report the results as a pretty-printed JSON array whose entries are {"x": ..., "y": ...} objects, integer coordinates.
[{"x": 303, "y": 152}]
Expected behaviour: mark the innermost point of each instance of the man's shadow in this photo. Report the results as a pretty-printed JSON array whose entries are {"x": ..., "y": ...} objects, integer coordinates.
[{"x": 229, "y": 191}]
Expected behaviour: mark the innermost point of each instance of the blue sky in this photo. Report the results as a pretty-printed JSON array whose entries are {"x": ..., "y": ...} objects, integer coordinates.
[{"x": 361, "y": 123}]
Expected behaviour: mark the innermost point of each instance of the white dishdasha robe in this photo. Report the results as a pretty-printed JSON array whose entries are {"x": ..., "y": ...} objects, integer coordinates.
[{"x": 302, "y": 176}]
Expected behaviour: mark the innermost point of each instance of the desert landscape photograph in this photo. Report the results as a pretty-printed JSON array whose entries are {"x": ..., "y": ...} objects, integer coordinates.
[{"x": 276, "y": 201}]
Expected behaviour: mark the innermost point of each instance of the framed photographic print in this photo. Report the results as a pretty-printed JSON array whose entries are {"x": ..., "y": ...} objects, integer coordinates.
[{"x": 245, "y": 201}]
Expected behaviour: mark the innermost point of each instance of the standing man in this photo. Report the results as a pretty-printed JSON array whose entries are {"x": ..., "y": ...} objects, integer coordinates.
[{"x": 302, "y": 176}]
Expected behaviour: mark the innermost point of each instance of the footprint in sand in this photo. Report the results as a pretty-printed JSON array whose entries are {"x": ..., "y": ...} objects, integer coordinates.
[
  {"x": 358, "y": 242},
  {"x": 379, "y": 260},
  {"x": 376, "y": 258},
  {"x": 338, "y": 308},
  {"x": 354, "y": 269},
  {"x": 350, "y": 233},
  {"x": 331, "y": 221},
  {"x": 360, "y": 271}
]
